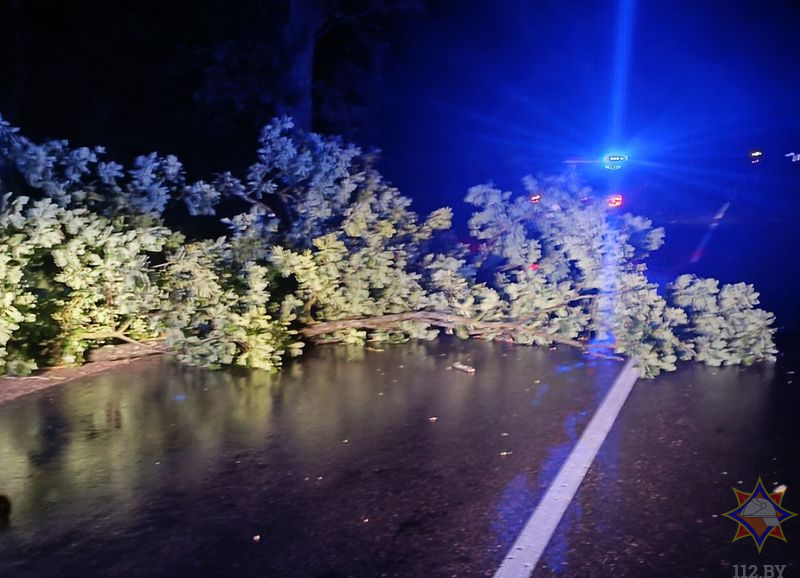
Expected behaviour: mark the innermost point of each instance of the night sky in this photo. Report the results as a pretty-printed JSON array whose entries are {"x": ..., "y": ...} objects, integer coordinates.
[
  {"x": 455, "y": 93},
  {"x": 495, "y": 94}
]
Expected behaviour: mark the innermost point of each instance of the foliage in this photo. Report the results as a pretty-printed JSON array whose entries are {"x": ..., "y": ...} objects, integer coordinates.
[
  {"x": 568, "y": 248},
  {"x": 321, "y": 246},
  {"x": 218, "y": 310},
  {"x": 73, "y": 277},
  {"x": 367, "y": 267},
  {"x": 72, "y": 280},
  {"x": 576, "y": 268},
  {"x": 16, "y": 303},
  {"x": 725, "y": 326},
  {"x": 79, "y": 178}
]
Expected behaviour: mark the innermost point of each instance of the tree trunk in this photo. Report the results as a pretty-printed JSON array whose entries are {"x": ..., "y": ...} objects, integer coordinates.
[
  {"x": 126, "y": 351},
  {"x": 305, "y": 20},
  {"x": 435, "y": 318}
]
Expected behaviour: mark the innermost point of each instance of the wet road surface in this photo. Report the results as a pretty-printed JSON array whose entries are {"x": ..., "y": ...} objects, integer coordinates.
[
  {"x": 349, "y": 463},
  {"x": 365, "y": 463},
  {"x": 652, "y": 502}
]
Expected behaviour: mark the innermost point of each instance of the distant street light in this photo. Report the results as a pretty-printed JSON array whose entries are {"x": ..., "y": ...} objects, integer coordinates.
[{"x": 614, "y": 201}]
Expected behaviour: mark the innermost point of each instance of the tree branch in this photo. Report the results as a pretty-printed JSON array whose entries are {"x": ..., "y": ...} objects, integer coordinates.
[
  {"x": 436, "y": 318},
  {"x": 101, "y": 335}
]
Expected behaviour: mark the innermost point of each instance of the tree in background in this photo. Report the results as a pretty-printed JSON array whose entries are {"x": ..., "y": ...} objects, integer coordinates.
[
  {"x": 315, "y": 61},
  {"x": 195, "y": 77}
]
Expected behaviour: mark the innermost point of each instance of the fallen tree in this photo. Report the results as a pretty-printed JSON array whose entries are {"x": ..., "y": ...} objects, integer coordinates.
[{"x": 320, "y": 248}]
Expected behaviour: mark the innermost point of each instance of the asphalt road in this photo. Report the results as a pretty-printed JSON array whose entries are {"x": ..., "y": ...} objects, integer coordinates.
[
  {"x": 652, "y": 503},
  {"x": 366, "y": 463}
]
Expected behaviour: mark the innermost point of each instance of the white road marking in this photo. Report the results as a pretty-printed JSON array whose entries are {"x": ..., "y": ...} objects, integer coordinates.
[{"x": 530, "y": 544}]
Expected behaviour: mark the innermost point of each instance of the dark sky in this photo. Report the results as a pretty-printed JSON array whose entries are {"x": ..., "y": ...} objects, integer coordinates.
[
  {"x": 473, "y": 91},
  {"x": 491, "y": 90},
  {"x": 470, "y": 90}
]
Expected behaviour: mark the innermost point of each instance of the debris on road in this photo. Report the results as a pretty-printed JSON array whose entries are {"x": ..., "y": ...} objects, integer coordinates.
[{"x": 463, "y": 367}]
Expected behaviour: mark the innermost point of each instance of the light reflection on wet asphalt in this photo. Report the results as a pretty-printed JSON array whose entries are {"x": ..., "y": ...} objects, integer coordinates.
[
  {"x": 362, "y": 463},
  {"x": 348, "y": 463},
  {"x": 652, "y": 502}
]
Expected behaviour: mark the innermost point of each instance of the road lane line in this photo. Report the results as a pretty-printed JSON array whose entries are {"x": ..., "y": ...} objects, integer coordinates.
[{"x": 530, "y": 544}]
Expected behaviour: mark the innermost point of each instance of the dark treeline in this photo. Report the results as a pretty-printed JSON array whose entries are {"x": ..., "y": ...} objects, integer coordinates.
[{"x": 194, "y": 78}]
